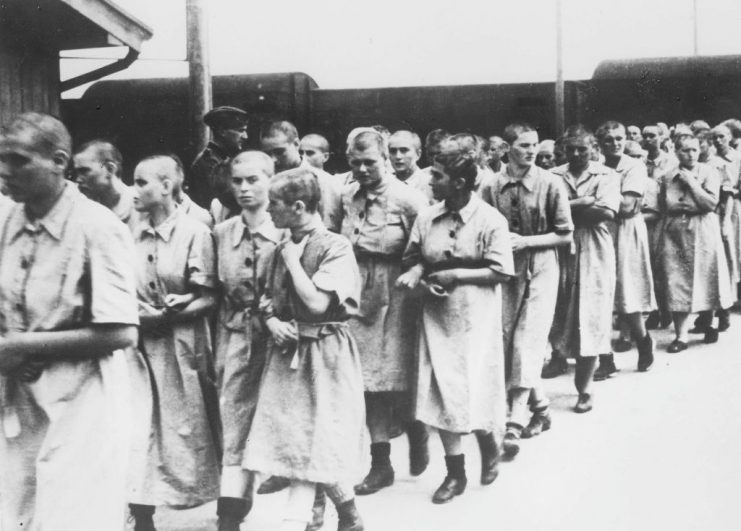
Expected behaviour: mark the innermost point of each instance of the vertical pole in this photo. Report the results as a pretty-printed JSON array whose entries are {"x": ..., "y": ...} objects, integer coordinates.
[
  {"x": 559, "y": 92},
  {"x": 199, "y": 73},
  {"x": 694, "y": 28}
]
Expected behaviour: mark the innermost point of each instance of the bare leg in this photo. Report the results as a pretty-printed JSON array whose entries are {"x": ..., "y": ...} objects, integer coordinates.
[
  {"x": 300, "y": 503},
  {"x": 451, "y": 442}
]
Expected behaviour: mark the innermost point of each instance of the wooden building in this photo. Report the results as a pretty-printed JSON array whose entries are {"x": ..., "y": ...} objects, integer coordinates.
[{"x": 33, "y": 32}]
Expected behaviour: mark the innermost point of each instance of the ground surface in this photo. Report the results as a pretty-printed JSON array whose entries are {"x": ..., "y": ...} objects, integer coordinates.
[{"x": 660, "y": 450}]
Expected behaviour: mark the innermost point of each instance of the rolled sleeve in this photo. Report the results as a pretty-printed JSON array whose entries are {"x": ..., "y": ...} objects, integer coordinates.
[
  {"x": 558, "y": 205},
  {"x": 113, "y": 293},
  {"x": 497, "y": 249},
  {"x": 338, "y": 273},
  {"x": 607, "y": 193},
  {"x": 202, "y": 260}
]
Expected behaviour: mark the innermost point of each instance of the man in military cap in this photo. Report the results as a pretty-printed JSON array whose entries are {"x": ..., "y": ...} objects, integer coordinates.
[{"x": 229, "y": 134}]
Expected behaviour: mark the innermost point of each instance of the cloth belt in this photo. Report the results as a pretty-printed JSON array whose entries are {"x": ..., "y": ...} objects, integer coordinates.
[{"x": 314, "y": 331}]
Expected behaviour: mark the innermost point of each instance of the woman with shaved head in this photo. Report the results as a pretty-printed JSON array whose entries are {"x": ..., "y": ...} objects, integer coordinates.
[{"x": 176, "y": 280}]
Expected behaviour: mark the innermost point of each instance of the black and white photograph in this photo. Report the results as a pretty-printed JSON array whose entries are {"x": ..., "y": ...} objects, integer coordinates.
[{"x": 370, "y": 266}]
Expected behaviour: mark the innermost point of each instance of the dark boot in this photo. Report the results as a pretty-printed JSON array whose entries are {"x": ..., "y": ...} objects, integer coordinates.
[
  {"x": 143, "y": 517},
  {"x": 652, "y": 323},
  {"x": 703, "y": 321},
  {"x": 455, "y": 482},
  {"x": 419, "y": 452},
  {"x": 511, "y": 444},
  {"x": 645, "y": 353},
  {"x": 381, "y": 473},
  {"x": 317, "y": 511},
  {"x": 489, "y": 457},
  {"x": 724, "y": 320},
  {"x": 231, "y": 512},
  {"x": 348, "y": 518},
  {"x": 555, "y": 367},
  {"x": 606, "y": 369},
  {"x": 273, "y": 484},
  {"x": 539, "y": 422}
]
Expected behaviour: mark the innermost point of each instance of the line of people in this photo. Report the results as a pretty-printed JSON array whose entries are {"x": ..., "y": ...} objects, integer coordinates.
[{"x": 390, "y": 298}]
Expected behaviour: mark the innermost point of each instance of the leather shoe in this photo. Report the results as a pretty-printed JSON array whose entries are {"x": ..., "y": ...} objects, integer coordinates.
[
  {"x": 724, "y": 322},
  {"x": 539, "y": 423},
  {"x": 652, "y": 323},
  {"x": 556, "y": 367},
  {"x": 273, "y": 484},
  {"x": 676, "y": 346},
  {"x": 511, "y": 443},
  {"x": 584, "y": 404},
  {"x": 622, "y": 345},
  {"x": 348, "y": 518},
  {"x": 645, "y": 353},
  {"x": 376, "y": 479},
  {"x": 450, "y": 488},
  {"x": 711, "y": 335},
  {"x": 606, "y": 369}
]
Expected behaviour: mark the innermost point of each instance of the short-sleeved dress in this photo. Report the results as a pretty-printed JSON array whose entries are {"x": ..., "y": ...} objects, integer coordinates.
[
  {"x": 460, "y": 381},
  {"x": 378, "y": 224},
  {"x": 728, "y": 167},
  {"x": 310, "y": 414},
  {"x": 420, "y": 181},
  {"x": 241, "y": 339},
  {"x": 634, "y": 290},
  {"x": 178, "y": 257},
  {"x": 536, "y": 203},
  {"x": 65, "y": 466},
  {"x": 656, "y": 169},
  {"x": 690, "y": 251},
  {"x": 583, "y": 322}
]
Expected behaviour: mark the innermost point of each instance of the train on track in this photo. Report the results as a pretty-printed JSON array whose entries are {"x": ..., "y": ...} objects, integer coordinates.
[{"x": 146, "y": 115}]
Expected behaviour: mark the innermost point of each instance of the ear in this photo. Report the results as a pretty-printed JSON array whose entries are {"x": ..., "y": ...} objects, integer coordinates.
[
  {"x": 110, "y": 167},
  {"x": 299, "y": 207},
  {"x": 61, "y": 159},
  {"x": 325, "y": 157},
  {"x": 459, "y": 183},
  {"x": 167, "y": 186}
]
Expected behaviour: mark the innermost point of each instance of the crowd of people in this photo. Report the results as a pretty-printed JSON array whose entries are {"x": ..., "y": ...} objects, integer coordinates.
[{"x": 171, "y": 342}]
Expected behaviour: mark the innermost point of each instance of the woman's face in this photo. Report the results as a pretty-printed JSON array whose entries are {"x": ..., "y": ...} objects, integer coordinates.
[
  {"x": 367, "y": 165},
  {"x": 613, "y": 144},
  {"x": 443, "y": 186},
  {"x": 579, "y": 151},
  {"x": 688, "y": 153},
  {"x": 523, "y": 151},
  {"x": 250, "y": 185}
]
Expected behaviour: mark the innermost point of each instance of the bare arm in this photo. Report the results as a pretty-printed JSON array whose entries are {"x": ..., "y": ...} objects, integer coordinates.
[
  {"x": 541, "y": 241},
  {"x": 706, "y": 202},
  {"x": 90, "y": 341}
]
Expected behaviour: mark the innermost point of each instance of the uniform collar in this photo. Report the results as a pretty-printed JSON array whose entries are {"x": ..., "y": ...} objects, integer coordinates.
[
  {"x": 54, "y": 220},
  {"x": 163, "y": 230},
  {"x": 266, "y": 229},
  {"x": 527, "y": 180},
  {"x": 464, "y": 213},
  {"x": 377, "y": 191},
  {"x": 217, "y": 150}
]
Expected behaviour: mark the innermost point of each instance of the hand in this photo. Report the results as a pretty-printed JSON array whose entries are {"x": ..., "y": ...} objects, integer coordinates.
[
  {"x": 410, "y": 279},
  {"x": 518, "y": 242},
  {"x": 283, "y": 332},
  {"x": 444, "y": 279},
  {"x": 292, "y": 251},
  {"x": 435, "y": 290},
  {"x": 175, "y": 303},
  {"x": 583, "y": 202}
]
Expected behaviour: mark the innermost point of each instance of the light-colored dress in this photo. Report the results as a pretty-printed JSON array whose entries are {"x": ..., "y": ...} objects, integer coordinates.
[
  {"x": 310, "y": 413},
  {"x": 583, "y": 322},
  {"x": 66, "y": 466},
  {"x": 536, "y": 203},
  {"x": 690, "y": 251},
  {"x": 420, "y": 181},
  {"x": 378, "y": 224},
  {"x": 634, "y": 290},
  {"x": 178, "y": 257},
  {"x": 728, "y": 167},
  {"x": 244, "y": 257},
  {"x": 460, "y": 382}
]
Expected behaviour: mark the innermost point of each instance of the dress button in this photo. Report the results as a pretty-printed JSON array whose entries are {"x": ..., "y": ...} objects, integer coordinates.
[
  {"x": 356, "y": 231},
  {"x": 248, "y": 261},
  {"x": 448, "y": 254},
  {"x": 152, "y": 285},
  {"x": 515, "y": 202},
  {"x": 24, "y": 264},
  {"x": 247, "y": 284},
  {"x": 452, "y": 234},
  {"x": 361, "y": 215},
  {"x": 150, "y": 258},
  {"x": 19, "y": 307}
]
